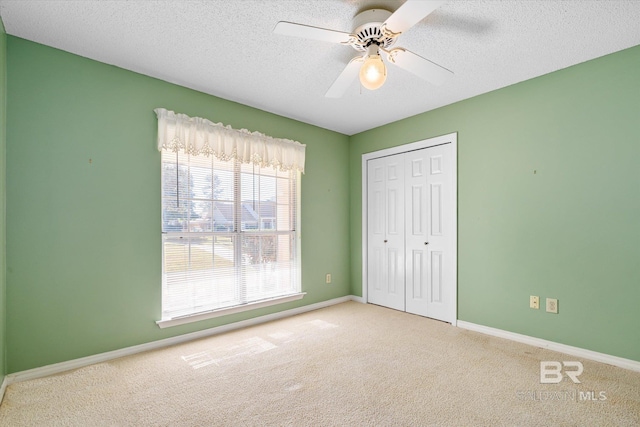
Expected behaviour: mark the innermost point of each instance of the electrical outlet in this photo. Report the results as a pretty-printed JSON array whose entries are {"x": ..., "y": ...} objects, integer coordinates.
[
  {"x": 534, "y": 302},
  {"x": 552, "y": 305},
  {"x": 328, "y": 278}
]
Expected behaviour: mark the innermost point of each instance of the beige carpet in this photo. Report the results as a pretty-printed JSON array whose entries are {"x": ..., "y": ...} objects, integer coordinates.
[{"x": 346, "y": 365}]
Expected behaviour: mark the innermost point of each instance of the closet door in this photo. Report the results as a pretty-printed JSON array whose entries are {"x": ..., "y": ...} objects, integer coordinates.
[
  {"x": 410, "y": 212},
  {"x": 386, "y": 234},
  {"x": 417, "y": 236},
  {"x": 429, "y": 233}
]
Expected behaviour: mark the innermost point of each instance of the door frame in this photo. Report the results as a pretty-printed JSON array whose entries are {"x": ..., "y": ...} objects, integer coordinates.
[{"x": 451, "y": 138}]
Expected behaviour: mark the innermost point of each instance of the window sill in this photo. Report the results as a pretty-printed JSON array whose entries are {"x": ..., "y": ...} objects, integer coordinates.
[{"x": 229, "y": 310}]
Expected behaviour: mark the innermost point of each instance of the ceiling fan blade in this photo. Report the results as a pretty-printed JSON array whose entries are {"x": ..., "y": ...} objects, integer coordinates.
[
  {"x": 344, "y": 80},
  {"x": 421, "y": 67},
  {"x": 312, "y": 33},
  {"x": 409, "y": 14}
]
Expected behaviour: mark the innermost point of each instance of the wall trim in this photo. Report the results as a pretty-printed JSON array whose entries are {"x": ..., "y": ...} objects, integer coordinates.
[
  {"x": 620, "y": 362},
  {"x": 3, "y": 387},
  {"x": 57, "y": 368}
]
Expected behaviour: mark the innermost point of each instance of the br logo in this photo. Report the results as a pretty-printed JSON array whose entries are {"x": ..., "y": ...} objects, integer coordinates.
[{"x": 551, "y": 372}]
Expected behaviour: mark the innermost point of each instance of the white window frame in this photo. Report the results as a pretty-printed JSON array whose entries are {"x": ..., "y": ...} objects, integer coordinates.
[{"x": 189, "y": 318}]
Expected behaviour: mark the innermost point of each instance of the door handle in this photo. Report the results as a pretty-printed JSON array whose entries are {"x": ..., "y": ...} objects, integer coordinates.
[
  {"x": 426, "y": 243},
  {"x": 385, "y": 241}
]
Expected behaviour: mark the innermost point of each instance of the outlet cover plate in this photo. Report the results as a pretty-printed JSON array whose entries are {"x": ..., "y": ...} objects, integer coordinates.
[
  {"x": 534, "y": 302},
  {"x": 552, "y": 305}
]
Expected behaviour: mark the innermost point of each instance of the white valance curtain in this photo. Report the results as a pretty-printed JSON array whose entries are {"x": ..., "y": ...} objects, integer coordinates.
[{"x": 198, "y": 136}]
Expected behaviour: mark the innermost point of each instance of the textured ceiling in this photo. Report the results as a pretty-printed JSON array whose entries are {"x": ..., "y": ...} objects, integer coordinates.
[{"x": 226, "y": 48}]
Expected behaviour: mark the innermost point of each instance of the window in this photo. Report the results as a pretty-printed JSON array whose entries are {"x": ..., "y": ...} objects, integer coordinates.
[{"x": 230, "y": 235}]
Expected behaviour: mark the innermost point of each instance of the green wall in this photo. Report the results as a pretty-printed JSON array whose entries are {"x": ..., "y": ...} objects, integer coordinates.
[
  {"x": 84, "y": 254},
  {"x": 3, "y": 186},
  {"x": 83, "y": 239},
  {"x": 548, "y": 202}
]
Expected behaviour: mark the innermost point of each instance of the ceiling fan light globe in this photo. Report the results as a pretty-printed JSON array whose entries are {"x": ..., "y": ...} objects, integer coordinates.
[{"x": 373, "y": 73}]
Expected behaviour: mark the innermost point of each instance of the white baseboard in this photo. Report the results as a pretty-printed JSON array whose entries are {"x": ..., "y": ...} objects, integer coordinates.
[
  {"x": 632, "y": 365},
  {"x": 3, "y": 387},
  {"x": 358, "y": 299},
  {"x": 57, "y": 368}
]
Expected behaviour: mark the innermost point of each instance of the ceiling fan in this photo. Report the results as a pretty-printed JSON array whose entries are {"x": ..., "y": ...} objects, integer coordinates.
[{"x": 376, "y": 30}]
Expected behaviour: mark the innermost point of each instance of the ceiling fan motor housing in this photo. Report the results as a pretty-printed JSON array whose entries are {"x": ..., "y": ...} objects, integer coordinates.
[{"x": 367, "y": 29}]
